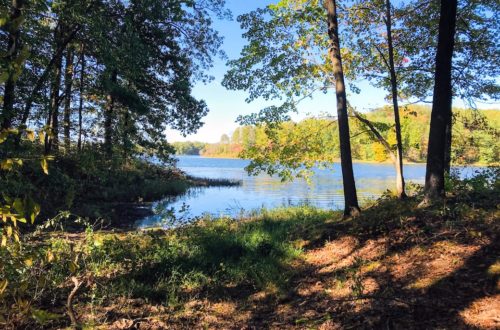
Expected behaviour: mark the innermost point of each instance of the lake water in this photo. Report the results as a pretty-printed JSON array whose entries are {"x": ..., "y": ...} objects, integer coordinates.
[{"x": 263, "y": 191}]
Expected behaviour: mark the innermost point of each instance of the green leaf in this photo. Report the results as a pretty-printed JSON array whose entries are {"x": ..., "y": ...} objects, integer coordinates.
[
  {"x": 18, "y": 206},
  {"x": 73, "y": 267},
  {"x": 43, "y": 317},
  {"x": 3, "y": 77}
]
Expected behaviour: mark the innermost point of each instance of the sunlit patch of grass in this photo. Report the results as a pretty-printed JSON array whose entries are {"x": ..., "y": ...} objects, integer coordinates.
[
  {"x": 300, "y": 243},
  {"x": 212, "y": 253},
  {"x": 494, "y": 270},
  {"x": 371, "y": 266},
  {"x": 223, "y": 308},
  {"x": 423, "y": 283}
]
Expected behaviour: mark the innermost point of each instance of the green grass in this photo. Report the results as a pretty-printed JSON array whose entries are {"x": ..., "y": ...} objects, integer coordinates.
[
  {"x": 213, "y": 254},
  {"x": 210, "y": 257},
  {"x": 222, "y": 257}
]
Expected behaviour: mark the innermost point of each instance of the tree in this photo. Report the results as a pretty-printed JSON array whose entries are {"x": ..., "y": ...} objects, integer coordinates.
[
  {"x": 292, "y": 53},
  {"x": 52, "y": 139},
  {"x": 350, "y": 196},
  {"x": 80, "y": 100},
  {"x": 68, "y": 85},
  {"x": 155, "y": 47},
  {"x": 475, "y": 64},
  {"x": 442, "y": 101},
  {"x": 373, "y": 57},
  {"x": 12, "y": 61},
  {"x": 224, "y": 139}
]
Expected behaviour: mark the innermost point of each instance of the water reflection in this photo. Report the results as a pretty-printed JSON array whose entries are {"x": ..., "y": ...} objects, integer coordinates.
[{"x": 324, "y": 191}]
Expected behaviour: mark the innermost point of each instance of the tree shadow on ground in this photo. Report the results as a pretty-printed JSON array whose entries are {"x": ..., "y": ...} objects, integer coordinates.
[
  {"x": 394, "y": 267},
  {"x": 427, "y": 272}
]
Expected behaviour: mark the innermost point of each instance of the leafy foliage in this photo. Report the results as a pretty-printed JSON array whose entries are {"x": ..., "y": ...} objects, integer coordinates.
[
  {"x": 476, "y": 56},
  {"x": 289, "y": 149}
]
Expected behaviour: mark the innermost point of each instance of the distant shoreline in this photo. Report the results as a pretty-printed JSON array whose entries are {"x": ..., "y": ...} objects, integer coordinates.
[{"x": 356, "y": 161}]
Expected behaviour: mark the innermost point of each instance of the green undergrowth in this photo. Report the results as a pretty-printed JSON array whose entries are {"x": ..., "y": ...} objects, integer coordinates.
[
  {"x": 218, "y": 257},
  {"x": 89, "y": 185},
  {"x": 212, "y": 254},
  {"x": 168, "y": 267}
]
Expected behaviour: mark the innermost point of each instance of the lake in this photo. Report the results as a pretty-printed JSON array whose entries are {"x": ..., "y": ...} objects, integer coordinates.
[{"x": 263, "y": 191}]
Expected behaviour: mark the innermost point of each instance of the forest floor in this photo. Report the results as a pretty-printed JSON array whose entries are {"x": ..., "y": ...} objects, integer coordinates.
[
  {"x": 396, "y": 266},
  {"x": 420, "y": 269}
]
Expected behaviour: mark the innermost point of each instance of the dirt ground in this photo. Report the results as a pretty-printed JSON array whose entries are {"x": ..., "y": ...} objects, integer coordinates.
[{"x": 420, "y": 273}]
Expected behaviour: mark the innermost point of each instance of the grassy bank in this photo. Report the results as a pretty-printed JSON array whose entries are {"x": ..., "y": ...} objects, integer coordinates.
[
  {"x": 89, "y": 185},
  {"x": 284, "y": 268}
]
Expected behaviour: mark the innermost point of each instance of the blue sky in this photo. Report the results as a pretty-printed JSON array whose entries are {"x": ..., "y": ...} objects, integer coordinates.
[{"x": 226, "y": 105}]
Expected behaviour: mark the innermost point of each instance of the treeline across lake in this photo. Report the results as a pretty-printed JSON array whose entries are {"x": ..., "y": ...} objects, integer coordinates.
[{"x": 476, "y": 133}]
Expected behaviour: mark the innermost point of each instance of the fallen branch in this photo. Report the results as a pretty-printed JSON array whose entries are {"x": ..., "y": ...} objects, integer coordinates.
[{"x": 69, "y": 303}]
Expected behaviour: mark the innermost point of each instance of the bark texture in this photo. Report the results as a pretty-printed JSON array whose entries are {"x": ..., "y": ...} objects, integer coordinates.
[
  {"x": 108, "y": 116},
  {"x": 442, "y": 102},
  {"x": 14, "y": 47},
  {"x": 350, "y": 195},
  {"x": 80, "y": 105},
  {"x": 68, "y": 89},
  {"x": 400, "y": 181}
]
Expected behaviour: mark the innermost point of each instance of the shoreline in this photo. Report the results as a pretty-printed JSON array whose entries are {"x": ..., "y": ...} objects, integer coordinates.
[
  {"x": 357, "y": 161},
  {"x": 124, "y": 215}
]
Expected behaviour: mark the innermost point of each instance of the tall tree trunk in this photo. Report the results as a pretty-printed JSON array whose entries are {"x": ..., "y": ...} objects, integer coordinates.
[
  {"x": 108, "y": 116},
  {"x": 447, "y": 151},
  {"x": 400, "y": 181},
  {"x": 68, "y": 85},
  {"x": 52, "y": 139},
  {"x": 442, "y": 102},
  {"x": 126, "y": 136},
  {"x": 14, "y": 46},
  {"x": 350, "y": 195},
  {"x": 80, "y": 105},
  {"x": 56, "y": 57}
]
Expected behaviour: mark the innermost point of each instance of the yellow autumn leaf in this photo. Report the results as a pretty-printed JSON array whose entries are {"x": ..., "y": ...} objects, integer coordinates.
[
  {"x": 50, "y": 256},
  {"x": 41, "y": 137},
  {"x": 73, "y": 267},
  {"x": 30, "y": 135},
  {"x": 3, "y": 285},
  {"x": 45, "y": 166},
  {"x": 35, "y": 212},
  {"x": 6, "y": 164}
]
